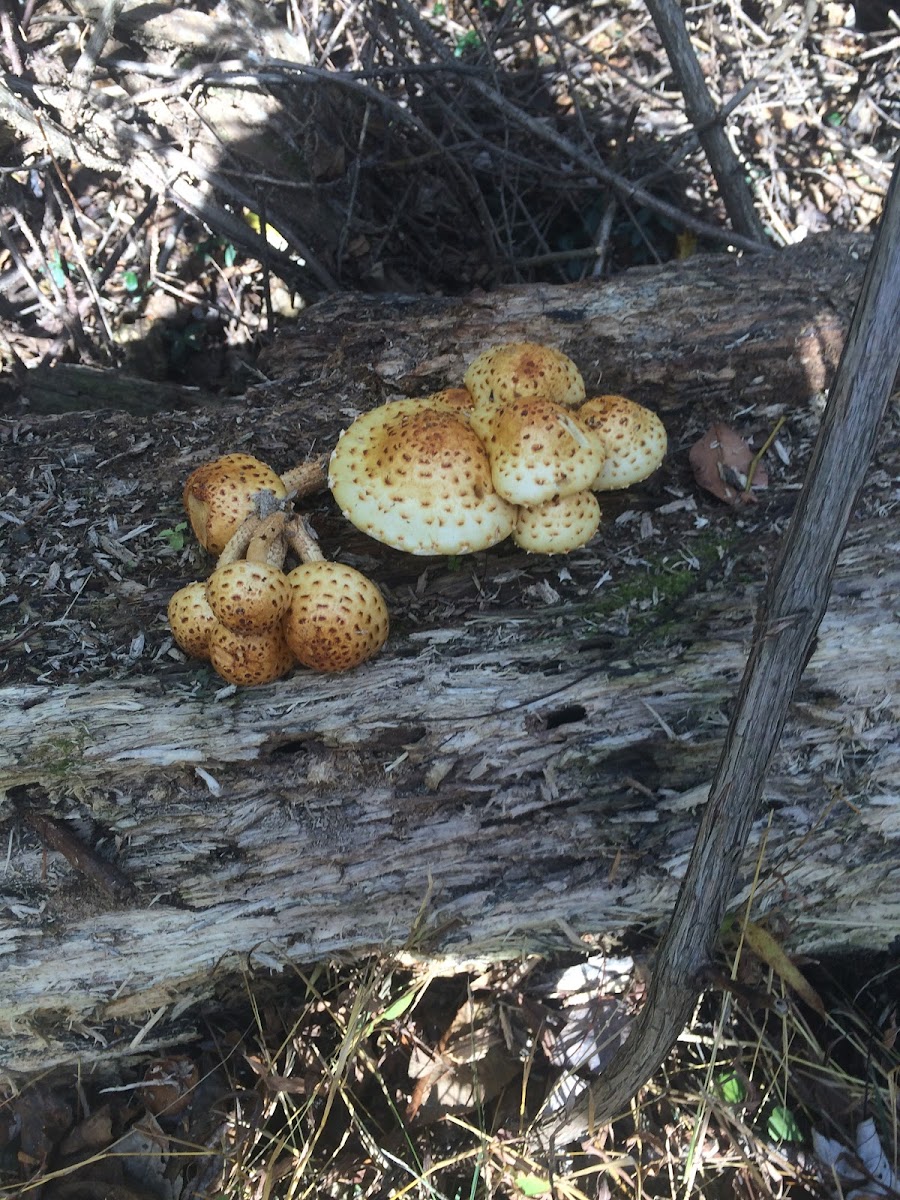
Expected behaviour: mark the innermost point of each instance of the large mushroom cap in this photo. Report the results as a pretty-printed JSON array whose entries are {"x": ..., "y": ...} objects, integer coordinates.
[
  {"x": 634, "y": 439},
  {"x": 337, "y": 617},
  {"x": 559, "y": 525},
  {"x": 413, "y": 474},
  {"x": 539, "y": 450},
  {"x": 218, "y": 497}
]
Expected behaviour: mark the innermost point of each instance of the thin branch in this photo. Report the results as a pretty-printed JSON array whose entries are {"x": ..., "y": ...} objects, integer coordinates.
[
  {"x": 589, "y": 160},
  {"x": 729, "y": 173},
  {"x": 783, "y": 642},
  {"x": 83, "y": 70}
]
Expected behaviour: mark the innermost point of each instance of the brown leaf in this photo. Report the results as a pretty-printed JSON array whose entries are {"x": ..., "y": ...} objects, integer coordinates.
[
  {"x": 93, "y": 1133},
  {"x": 169, "y": 1085},
  {"x": 471, "y": 1065},
  {"x": 721, "y": 460},
  {"x": 277, "y": 1083}
]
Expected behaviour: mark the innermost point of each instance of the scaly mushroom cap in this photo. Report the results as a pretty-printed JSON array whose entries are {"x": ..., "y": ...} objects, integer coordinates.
[
  {"x": 191, "y": 619},
  {"x": 414, "y": 475},
  {"x": 337, "y": 617},
  {"x": 460, "y": 399},
  {"x": 248, "y": 597},
  {"x": 539, "y": 450},
  {"x": 218, "y": 497},
  {"x": 248, "y": 659},
  {"x": 558, "y": 525},
  {"x": 523, "y": 371},
  {"x": 634, "y": 439}
]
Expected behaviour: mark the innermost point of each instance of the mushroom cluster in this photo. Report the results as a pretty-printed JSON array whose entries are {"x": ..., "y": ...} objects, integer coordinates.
[
  {"x": 518, "y": 451},
  {"x": 252, "y": 621}
]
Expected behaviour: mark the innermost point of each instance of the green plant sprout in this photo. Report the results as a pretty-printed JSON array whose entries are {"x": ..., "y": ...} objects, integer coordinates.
[{"x": 174, "y": 538}]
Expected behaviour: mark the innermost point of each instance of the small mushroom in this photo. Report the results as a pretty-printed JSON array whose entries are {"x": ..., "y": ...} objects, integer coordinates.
[
  {"x": 191, "y": 619},
  {"x": 633, "y": 437},
  {"x": 414, "y": 475},
  {"x": 248, "y": 597},
  {"x": 559, "y": 525},
  {"x": 524, "y": 371},
  {"x": 337, "y": 617},
  {"x": 538, "y": 449},
  {"x": 219, "y": 496},
  {"x": 249, "y": 659}
]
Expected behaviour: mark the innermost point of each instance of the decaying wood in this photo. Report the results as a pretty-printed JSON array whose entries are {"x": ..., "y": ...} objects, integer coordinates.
[{"x": 525, "y": 762}]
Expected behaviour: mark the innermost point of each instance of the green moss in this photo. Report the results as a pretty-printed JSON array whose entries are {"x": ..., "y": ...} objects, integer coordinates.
[
  {"x": 651, "y": 590},
  {"x": 60, "y": 755}
]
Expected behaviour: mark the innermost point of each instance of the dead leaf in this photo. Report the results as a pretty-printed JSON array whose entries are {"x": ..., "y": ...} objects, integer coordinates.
[
  {"x": 45, "y": 1113},
  {"x": 277, "y": 1083},
  {"x": 471, "y": 1065},
  {"x": 721, "y": 460},
  {"x": 93, "y": 1133},
  {"x": 765, "y": 947},
  {"x": 169, "y": 1085}
]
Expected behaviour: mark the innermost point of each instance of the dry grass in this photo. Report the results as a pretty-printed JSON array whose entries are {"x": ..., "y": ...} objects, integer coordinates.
[{"x": 317, "y": 1090}]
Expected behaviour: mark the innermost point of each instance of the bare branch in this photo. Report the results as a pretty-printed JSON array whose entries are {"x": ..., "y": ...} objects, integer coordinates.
[{"x": 784, "y": 638}]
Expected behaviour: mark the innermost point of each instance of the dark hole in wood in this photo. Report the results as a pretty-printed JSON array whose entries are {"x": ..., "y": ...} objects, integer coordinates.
[
  {"x": 566, "y": 715},
  {"x": 290, "y": 746}
]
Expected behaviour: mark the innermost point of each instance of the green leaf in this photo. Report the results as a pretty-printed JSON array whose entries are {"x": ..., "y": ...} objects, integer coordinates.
[
  {"x": 782, "y": 1127},
  {"x": 174, "y": 537},
  {"x": 131, "y": 281},
  {"x": 730, "y": 1087},
  {"x": 469, "y": 41},
  {"x": 532, "y": 1185},
  {"x": 58, "y": 270},
  {"x": 230, "y": 255},
  {"x": 399, "y": 1007}
]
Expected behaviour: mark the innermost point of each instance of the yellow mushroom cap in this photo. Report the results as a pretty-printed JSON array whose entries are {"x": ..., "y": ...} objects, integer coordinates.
[
  {"x": 413, "y": 474},
  {"x": 218, "y": 497},
  {"x": 538, "y": 449},
  {"x": 558, "y": 525},
  {"x": 460, "y": 399},
  {"x": 524, "y": 370},
  {"x": 248, "y": 659},
  {"x": 248, "y": 597},
  {"x": 337, "y": 617},
  {"x": 191, "y": 619},
  {"x": 634, "y": 439}
]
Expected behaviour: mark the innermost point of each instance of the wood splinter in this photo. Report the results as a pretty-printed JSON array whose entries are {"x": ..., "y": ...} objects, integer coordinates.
[{"x": 58, "y": 836}]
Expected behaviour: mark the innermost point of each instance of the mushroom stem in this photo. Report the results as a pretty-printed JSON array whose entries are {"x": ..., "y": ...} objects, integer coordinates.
[
  {"x": 269, "y": 542},
  {"x": 302, "y": 540},
  {"x": 236, "y": 546},
  {"x": 306, "y": 478}
]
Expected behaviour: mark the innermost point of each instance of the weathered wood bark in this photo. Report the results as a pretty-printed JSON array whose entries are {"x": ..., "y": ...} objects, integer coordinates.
[{"x": 524, "y": 763}]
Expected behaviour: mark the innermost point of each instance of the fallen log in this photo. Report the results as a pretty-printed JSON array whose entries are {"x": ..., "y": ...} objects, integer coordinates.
[{"x": 522, "y": 767}]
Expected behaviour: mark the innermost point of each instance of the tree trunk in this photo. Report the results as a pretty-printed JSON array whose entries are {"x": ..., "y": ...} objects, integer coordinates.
[{"x": 523, "y": 764}]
